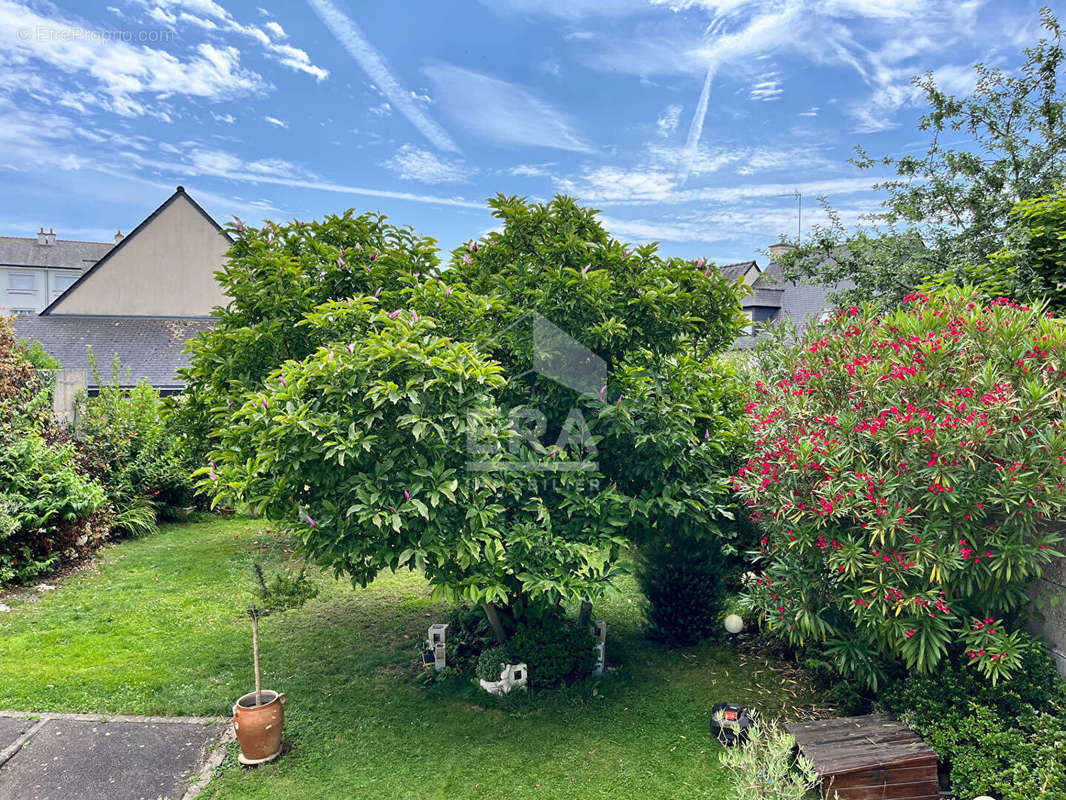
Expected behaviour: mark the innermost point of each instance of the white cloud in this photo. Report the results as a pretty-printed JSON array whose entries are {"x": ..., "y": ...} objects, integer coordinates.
[
  {"x": 667, "y": 123},
  {"x": 228, "y": 119},
  {"x": 275, "y": 121},
  {"x": 502, "y": 112},
  {"x": 531, "y": 170},
  {"x": 121, "y": 70},
  {"x": 210, "y": 15},
  {"x": 767, "y": 88},
  {"x": 880, "y": 40},
  {"x": 568, "y": 9},
  {"x": 894, "y": 91},
  {"x": 373, "y": 63},
  {"x": 220, "y": 164},
  {"x": 810, "y": 112},
  {"x": 415, "y": 164}
]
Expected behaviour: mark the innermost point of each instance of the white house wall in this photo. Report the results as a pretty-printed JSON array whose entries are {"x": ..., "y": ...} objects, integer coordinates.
[
  {"x": 48, "y": 284},
  {"x": 164, "y": 269}
]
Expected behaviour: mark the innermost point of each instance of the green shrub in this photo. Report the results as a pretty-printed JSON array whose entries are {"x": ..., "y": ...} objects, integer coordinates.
[
  {"x": 909, "y": 477},
  {"x": 286, "y": 588},
  {"x": 133, "y": 448},
  {"x": 469, "y": 634},
  {"x": 764, "y": 768},
  {"x": 1005, "y": 740},
  {"x": 927, "y": 698},
  {"x": 40, "y": 358},
  {"x": 554, "y": 649},
  {"x": 490, "y": 662},
  {"x": 1012, "y": 758},
  {"x": 682, "y": 581},
  {"x": 50, "y": 510}
]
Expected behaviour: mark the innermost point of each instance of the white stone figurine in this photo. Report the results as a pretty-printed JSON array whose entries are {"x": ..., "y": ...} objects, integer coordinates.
[
  {"x": 599, "y": 630},
  {"x": 438, "y": 635},
  {"x": 512, "y": 676}
]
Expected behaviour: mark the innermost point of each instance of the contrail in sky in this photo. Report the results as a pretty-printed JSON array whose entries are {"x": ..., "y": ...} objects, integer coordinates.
[{"x": 373, "y": 63}]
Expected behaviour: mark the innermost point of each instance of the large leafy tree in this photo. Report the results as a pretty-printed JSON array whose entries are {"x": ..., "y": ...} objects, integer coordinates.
[
  {"x": 276, "y": 274},
  {"x": 396, "y": 438},
  {"x": 949, "y": 208}
]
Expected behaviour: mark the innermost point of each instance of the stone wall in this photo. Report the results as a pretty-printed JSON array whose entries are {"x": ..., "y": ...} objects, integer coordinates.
[{"x": 1053, "y": 625}]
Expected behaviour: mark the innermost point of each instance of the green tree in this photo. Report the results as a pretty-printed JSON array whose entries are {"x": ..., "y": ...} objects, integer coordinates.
[
  {"x": 276, "y": 274},
  {"x": 1033, "y": 262},
  {"x": 402, "y": 439},
  {"x": 950, "y": 207}
]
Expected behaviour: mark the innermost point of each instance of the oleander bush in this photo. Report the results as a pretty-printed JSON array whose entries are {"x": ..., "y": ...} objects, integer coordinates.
[{"x": 909, "y": 480}]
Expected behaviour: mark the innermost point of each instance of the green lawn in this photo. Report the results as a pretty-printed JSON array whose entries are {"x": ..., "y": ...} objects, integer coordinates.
[{"x": 159, "y": 629}]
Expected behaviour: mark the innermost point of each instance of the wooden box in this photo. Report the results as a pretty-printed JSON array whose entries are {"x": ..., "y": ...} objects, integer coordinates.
[{"x": 868, "y": 758}]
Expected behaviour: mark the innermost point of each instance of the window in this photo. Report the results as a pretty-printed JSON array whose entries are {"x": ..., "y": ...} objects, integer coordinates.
[
  {"x": 63, "y": 282},
  {"x": 22, "y": 282}
]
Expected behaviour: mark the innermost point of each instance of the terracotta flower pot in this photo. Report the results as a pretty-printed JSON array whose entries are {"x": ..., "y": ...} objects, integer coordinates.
[{"x": 259, "y": 728}]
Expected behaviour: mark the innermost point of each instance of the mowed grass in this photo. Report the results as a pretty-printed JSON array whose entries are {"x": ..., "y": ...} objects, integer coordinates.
[{"x": 158, "y": 628}]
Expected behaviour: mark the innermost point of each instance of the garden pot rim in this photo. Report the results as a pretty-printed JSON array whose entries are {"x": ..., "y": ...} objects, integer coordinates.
[{"x": 246, "y": 702}]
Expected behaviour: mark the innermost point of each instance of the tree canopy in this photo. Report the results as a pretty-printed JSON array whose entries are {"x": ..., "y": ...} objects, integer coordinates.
[
  {"x": 479, "y": 423},
  {"x": 950, "y": 208}
]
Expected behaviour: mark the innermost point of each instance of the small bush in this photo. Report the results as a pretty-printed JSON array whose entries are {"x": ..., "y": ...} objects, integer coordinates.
[
  {"x": 490, "y": 663},
  {"x": 554, "y": 648},
  {"x": 130, "y": 442},
  {"x": 284, "y": 589},
  {"x": 682, "y": 580},
  {"x": 1005, "y": 740},
  {"x": 1018, "y": 758},
  {"x": 764, "y": 768},
  {"x": 469, "y": 634},
  {"x": 927, "y": 698}
]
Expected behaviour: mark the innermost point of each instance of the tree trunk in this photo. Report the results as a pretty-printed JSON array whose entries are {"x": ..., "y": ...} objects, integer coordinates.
[
  {"x": 255, "y": 659},
  {"x": 493, "y": 615},
  {"x": 584, "y": 616}
]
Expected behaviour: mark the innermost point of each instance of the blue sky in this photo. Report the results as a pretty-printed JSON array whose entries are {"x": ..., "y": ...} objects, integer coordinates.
[{"x": 686, "y": 121}]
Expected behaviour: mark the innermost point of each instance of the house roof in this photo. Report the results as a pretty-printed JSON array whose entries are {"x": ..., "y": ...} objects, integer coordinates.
[
  {"x": 179, "y": 192},
  {"x": 19, "y": 251},
  {"x": 800, "y": 301},
  {"x": 734, "y": 271},
  {"x": 148, "y": 347}
]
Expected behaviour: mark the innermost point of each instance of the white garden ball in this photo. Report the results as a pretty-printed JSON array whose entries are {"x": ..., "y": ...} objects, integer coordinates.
[
  {"x": 734, "y": 623},
  {"x": 984, "y": 797}
]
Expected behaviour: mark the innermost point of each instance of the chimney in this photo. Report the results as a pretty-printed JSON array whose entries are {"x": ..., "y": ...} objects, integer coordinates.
[
  {"x": 778, "y": 250},
  {"x": 118, "y": 236},
  {"x": 42, "y": 237}
]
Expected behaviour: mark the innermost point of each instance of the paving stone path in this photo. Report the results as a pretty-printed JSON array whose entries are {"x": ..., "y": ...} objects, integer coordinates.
[{"x": 100, "y": 757}]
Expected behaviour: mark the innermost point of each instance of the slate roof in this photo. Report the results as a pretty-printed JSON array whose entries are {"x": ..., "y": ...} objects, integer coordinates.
[
  {"x": 149, "y": 347},
  {"x": 802, "y": 302},
  {"x": 734, "y": 271},
  {"x": 18, "y": 251}
]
